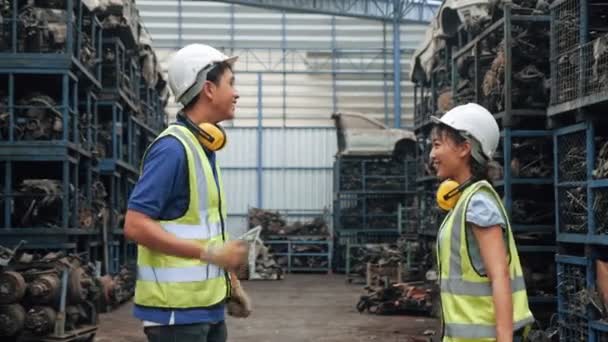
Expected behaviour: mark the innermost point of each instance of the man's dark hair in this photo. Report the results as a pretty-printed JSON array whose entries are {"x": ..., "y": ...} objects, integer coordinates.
[{"x": 215, "y": 76}]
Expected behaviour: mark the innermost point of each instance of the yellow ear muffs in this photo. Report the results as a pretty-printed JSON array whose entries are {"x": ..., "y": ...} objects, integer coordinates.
[
  {"x": 212, "y": 136},
  {"x": 448, "y": 194}
]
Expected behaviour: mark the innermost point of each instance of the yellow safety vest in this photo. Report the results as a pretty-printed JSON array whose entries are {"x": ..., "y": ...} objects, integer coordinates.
[
  {"x": 165, "y": 281},
  {"x": 466, "y": 297}
]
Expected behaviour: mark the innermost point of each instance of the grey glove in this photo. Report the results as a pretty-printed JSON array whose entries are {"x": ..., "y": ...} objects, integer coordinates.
[{"x": 239, "y": 304}]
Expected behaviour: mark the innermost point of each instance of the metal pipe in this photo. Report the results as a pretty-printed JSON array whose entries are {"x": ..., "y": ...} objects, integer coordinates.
[
  {"x": 397, "y": 62},
  {"x": 260, "y": 131},
  {"x": 334, "y": 65},
  {"x": 508, "y": 77}
]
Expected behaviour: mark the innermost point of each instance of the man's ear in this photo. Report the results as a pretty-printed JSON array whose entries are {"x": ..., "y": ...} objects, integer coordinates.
[{"x": 209, "y": 89}]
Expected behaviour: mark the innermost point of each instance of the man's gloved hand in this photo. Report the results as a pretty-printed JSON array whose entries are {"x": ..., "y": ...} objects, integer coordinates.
[
  {"x": 240, "y": 304},
  {"x": 229, "y": 256}
]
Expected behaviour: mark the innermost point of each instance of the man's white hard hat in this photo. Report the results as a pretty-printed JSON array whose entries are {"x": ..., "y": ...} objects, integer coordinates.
[{"x": 188, "y": 69}]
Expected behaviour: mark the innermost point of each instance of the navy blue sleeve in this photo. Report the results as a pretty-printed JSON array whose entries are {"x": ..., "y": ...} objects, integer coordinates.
[{"x": 163, "y": 178}]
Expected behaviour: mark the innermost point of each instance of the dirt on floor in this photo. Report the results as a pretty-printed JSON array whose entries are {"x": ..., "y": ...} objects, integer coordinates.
[{"x": 300, "y": 308}]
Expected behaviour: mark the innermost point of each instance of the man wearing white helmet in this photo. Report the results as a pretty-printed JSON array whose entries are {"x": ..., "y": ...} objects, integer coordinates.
[
  {"x": 177, "y": 210},
  {"x": 483, "y": 293}
]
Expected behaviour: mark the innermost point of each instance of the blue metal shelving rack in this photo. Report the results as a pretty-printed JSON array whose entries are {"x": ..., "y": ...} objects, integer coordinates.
[
  {"x": 72, "y": 76},
  {"x": 514, "y": 186},
  {"x": 580, "y": 222},
  {"x": 359, "y": 189},
  {"x": 285, "y": 245}
]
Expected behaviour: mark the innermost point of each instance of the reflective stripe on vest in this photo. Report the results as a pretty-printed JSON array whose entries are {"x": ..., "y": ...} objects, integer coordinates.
[
  {"x": 468, "y": 288},
  {"x": 172, "y": 282},
  {"x": 179, "y": 274},
  {"x": 474, "y": 294},
  {"x": 478, "y": 331},
  {"x": 187, "y": 232}
]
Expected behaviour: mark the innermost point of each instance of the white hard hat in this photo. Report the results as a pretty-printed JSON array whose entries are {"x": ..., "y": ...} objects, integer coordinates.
[
  {"x": 476, "y": 122},
  {"x": 189, "y": 67}
]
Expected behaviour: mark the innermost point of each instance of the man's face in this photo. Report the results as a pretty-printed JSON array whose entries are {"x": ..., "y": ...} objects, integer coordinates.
[{"x": 225, "y": 97}]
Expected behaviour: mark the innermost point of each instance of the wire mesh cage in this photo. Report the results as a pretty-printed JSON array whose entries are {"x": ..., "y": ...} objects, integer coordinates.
[
  {"x": 573, "y": 329},
  {"x": 572, "y": 285},
  {"x": 579, "y": 54},
  {"x": 600, "y": 210},
  {"x": 423, "y": 105},
  {"x": 430, "y": 214},
  {"x": 424, "y": 169},
  {"x": 600, "y": 335},
  {"x": 532, "y": 204},
  {"x": 532, "y": 157},
  {"x": 368, "y": 211},
  {"x": 566, "y": 24},
  {"x": 376, "y": 174},
  {"x": 572, "y": 156},
  {"x": 572, "y": 210},
  {"x": 51, "y": 29},
  {"x": 600, "y": 170}
]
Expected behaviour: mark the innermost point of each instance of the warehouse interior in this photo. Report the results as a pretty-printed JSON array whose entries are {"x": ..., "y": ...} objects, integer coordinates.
[{"x": 327, "y": 170}]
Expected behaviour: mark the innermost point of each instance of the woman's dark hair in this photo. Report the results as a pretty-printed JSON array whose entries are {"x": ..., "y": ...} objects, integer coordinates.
[
  {"x": 480, "y": 171},
  {"x": 215, "y": 76}
]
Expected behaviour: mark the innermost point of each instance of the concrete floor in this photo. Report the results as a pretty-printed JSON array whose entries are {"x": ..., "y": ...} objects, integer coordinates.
[{"x": 300, "y": 308}]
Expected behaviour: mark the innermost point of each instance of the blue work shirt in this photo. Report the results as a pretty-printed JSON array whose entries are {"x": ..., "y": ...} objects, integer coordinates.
[{"x": 162, "y": 194}]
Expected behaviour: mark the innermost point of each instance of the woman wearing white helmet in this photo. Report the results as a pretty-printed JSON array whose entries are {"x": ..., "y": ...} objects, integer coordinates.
[{"x": 483, "y": 294}]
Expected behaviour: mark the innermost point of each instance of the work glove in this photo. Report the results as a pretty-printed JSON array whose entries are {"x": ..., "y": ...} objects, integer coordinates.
[
  {"x": 229, "y": 256},
  {"x": 239, "y": 304}
]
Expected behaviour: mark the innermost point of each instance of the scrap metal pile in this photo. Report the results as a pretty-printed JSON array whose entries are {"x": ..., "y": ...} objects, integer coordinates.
[
  {"x": 530, "y": 74},
  {"x": 373, "y": 175},
  {"x": 31, "y": 293},
  {"x": 400, "y": 298},
  {"x": 383, "y": 255},
  {"x": 119, "y": 288},
  {"x": 42, "y": 28},
  {"x": 374, "y": 211},
  {"x": 532, "y": 158},
  {"x": 33, "y": 288},
  {"x": 300, "y": 244},
  {"x": 573, "y": 200},
  {"x": 39, "y": 204},
  {"x": 273, "y": 224}
]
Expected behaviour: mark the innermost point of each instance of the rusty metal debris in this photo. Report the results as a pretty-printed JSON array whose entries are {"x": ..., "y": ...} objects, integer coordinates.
[
  {"x": 382, "y": 255},
  {"x": 39, "y": 203},
  {"x": 400, "y": 298},
  {"x": 573, "y": 208},
  {"x": 119, "y": 288},
  {"x": 529, "y": 78},
  {"x": 601, "y": 162},
  {"x": 573, "y": 164},
  {"x": 31, "y": 287},
  {"x": 36, "y": 118},
  {"x": 12, "y": 319},
  {"x": 532, "y": 159},
  {"x": 273, "y": 224},
  {"x": 539, "y": 274},
  {"x": 532, "y": 211},
  {"x": 118, "y": 16}
]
